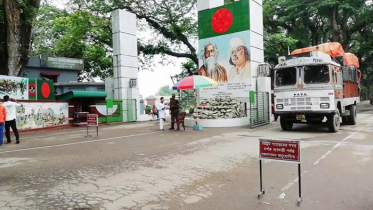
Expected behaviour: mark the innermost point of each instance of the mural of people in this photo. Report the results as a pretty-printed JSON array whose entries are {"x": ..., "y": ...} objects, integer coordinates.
[
  {"x": 211, "y": 68},
  {"x": 14, "y": 86},
  {"x": 240, "y": 59},
  {"x": 45, "y": 116}
]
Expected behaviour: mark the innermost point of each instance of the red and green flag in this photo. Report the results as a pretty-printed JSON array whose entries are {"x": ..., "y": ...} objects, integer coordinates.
[
  {"x": 227, "y": 19},
  {"x": 45, "y": 90},
  {"x": 32, "y": 89}
]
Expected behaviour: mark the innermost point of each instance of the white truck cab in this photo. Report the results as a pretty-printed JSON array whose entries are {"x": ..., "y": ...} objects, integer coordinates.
[{"x": 310, "y": 87}]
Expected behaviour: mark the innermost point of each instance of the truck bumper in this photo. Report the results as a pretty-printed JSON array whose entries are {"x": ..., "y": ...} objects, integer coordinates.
[{"x": 310, "y": 115}]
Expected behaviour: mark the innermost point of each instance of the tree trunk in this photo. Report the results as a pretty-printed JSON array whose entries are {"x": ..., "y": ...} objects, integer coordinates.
[
  {"x": 3, "y": 42},
  {"x": 314, "y": 35},
  {"x": 18, "y": 34},
  {"x": 334, "y": 22},
  {"x": 345, "y": 31}
]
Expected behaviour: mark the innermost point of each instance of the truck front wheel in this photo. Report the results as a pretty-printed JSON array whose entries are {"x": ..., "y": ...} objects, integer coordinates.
[
  {"x": 353, "y": 115},
  {"x": 286, "y": 125},
  {"x": 334, "y": 122}
]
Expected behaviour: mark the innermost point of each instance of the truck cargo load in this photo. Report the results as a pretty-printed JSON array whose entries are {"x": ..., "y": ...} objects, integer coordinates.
[
  {"x": 350, "y": 59},
  {"x": 334, "y": 49}
]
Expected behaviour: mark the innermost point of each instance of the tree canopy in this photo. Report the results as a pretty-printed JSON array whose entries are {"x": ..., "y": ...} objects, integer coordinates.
[
  {"x": 169, "y": 28},
  {"x": 85, "y": 32},
  {"x": 303, "y": 23},
  {"x": 166, "y": 91}
]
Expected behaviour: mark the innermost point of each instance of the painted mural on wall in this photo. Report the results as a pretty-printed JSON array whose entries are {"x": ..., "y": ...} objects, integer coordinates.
[
  {"x": 16, "y": 87},
  {"x": 224, "y": 43},
  {"x": 42, "y": 115}
]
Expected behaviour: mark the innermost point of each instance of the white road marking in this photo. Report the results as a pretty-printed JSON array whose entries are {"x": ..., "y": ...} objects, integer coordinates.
[
  {"x": 76, "y": 143},
  {"x": 290, "y": 184},
  {"x": 339, "y": 144}
]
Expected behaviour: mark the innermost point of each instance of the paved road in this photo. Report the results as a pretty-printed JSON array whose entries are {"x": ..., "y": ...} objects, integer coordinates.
[{"x": 134, "y": 166}]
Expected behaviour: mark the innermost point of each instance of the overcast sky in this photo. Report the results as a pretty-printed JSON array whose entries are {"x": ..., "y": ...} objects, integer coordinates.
[{"x": 149, "y": 81}]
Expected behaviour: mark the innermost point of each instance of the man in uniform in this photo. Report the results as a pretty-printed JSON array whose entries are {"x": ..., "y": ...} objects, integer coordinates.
[{"x": 174, "y": 111}]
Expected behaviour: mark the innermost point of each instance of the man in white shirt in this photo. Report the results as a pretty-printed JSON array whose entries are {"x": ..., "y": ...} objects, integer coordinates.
[
  {"x": 161, "y": 113},
  {"x": 11, "y": 115}
]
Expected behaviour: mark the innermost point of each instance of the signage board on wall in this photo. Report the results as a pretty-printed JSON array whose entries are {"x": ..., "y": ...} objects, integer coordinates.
[
  {"x": 224, "y": 40},
  {"x": 61, "y": 63}
]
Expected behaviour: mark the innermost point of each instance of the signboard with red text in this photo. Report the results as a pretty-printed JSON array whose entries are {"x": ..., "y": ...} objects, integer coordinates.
[
  {"x": 92, "y": 120},
  {"x": 279, "y": 150}
]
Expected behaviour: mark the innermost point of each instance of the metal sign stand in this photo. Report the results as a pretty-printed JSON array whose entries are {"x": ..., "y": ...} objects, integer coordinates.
[
  {"x": 268, "y": 148},
  {"x": 92, "y": 122},
  {"x": 91, "y": 135},
  {"x": 300, "y": 185},
  {"x": 87, "y": 132},
  {"x": 262, "y": 191}
]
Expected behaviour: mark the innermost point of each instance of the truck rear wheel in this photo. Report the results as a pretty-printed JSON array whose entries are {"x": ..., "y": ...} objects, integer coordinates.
[
  {"x": 345, "y": 120},
  {"x": 353, "y": 115},
  {"x": 286, "y": 125},
  {"x": 334, "y": 122}
]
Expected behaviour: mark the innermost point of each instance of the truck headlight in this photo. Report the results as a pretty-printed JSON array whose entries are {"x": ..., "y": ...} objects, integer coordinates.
[
  {"x": 279, "y": 106},
  {"x": 324, "y": 105}
]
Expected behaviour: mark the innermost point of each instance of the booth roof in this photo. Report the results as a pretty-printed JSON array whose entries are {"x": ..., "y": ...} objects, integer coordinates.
[{"x": 82, "y": 94}]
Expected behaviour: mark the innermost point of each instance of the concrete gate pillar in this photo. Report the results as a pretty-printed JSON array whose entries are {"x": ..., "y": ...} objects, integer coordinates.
[
  {"x": 126, "y": 63},
  {"x": 245, "y": 27}
]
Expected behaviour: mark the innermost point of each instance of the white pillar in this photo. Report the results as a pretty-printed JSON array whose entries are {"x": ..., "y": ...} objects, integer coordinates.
[
  {"x": 256, "y": 39},
  {"x": 209, "y": 4},
  {"x": 125, "y": 58}
]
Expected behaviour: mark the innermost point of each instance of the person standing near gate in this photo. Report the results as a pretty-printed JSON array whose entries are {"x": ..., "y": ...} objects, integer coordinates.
[
  {"x": 11, "y": 115},
  {"x": 2, "y": 122},
  {"x": 174, "y": 110},
  {"x": 161, "y": 113}
]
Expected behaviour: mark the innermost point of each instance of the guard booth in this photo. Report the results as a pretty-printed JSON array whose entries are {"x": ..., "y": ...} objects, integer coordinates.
[{"x": 82, "y": 103}]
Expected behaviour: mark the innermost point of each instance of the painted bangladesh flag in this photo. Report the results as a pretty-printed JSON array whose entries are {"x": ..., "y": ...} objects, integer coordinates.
[
  {"x": 45, "y": 90},
  {"x": 227, "y": 19},
  {"x": 32, "y": 89}
]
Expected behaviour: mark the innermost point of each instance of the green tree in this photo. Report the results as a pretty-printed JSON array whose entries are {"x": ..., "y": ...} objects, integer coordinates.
[
  {"x": 311, "y": 22},
  {"x": 166, "y": 91},
  {"x": 78, "y": 34},
  {"x": 85, "y": 32}
]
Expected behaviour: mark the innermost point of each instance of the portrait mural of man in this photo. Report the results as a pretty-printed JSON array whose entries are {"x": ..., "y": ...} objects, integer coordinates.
[
  {"x": 240, "y": 59},
  {"x": 211, "y": 68}
]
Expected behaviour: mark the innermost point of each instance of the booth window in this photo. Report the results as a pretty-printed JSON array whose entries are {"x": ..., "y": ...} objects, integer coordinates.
[{"x": 50, "y": 76}]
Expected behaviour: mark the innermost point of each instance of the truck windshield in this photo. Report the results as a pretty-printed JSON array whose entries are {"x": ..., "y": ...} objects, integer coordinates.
[
  {"x": 316, "y": 74},
  {"x": 287, "y": 76}
]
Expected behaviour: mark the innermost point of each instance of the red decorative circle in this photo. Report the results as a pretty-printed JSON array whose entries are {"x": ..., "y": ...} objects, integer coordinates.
[
  {"x": 45, "y": 90},
  {"x": 222, "y": 20}
]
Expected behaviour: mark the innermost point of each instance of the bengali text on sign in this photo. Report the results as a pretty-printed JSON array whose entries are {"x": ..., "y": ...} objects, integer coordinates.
[
  {"x": 279, "y": 150},
  {"x": 92, "y": 120}
]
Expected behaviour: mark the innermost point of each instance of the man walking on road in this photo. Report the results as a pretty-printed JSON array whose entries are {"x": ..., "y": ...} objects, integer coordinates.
[
  {"x": 2, "y": 122},
  {"x": 174, "y": 110},
  {"x": 161, "y": 113},
  {"x": 11, "y": 115}
]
